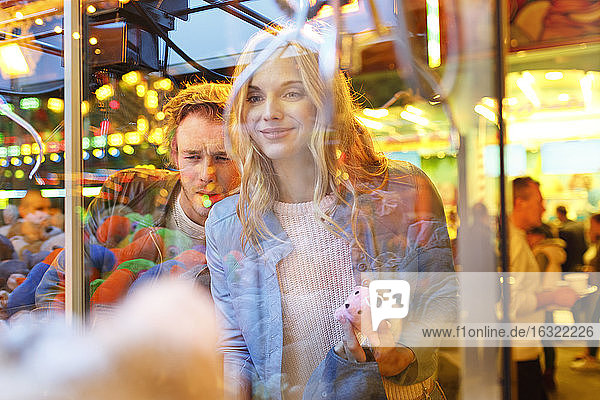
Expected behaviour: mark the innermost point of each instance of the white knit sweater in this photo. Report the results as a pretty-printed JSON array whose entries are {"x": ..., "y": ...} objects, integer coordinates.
[{"x": 315, "y": 279}]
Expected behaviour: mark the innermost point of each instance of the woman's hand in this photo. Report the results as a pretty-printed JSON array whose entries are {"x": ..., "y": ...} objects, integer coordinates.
[{"x": 390, "y": 357}]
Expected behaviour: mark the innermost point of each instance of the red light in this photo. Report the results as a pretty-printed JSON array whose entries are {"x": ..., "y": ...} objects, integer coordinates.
[
  {"x": 104, "y": 127},
  {"x": 114, "y": 104}
]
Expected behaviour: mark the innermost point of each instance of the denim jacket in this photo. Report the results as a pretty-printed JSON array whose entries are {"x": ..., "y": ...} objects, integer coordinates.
[{"x": 400, "y": 226}]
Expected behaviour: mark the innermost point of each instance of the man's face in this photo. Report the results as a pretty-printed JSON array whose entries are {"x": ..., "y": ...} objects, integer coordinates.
[
  {"x": 207, "y": 174},
  {"x": 532, "y": 208}
]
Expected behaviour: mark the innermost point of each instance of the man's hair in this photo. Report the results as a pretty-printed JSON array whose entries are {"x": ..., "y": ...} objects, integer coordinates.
[
  {"x": 521, "y": 186},
  {"x": 562, "y": 210},
  {"x": 596, "y": 218},
  {"x": 205, "y": 99}
]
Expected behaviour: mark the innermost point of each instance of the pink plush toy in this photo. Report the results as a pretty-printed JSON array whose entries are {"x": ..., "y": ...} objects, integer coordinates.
[{"x": 355, "y": 304}]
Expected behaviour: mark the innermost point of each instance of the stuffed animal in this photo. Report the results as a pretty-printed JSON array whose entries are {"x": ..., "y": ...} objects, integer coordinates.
[
  {"x": 114, "y": 229},
  {"x": 353, "y": 308},
  {"x": 23, "y": 297},
  {"x": 118, "y": 282},
  {"x": 7, "y": 250},
  {"x": 146, "y": 244},
  {"x": 14, "y": 280}
]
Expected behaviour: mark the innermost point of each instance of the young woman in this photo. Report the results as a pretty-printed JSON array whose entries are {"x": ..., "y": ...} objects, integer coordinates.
[{"x": 318, "y": 208}]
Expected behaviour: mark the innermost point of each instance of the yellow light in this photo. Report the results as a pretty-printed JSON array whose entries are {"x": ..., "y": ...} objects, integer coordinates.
[
  {"x": 12, "y": 61},
  {"x": 19, "y": 174},
  {"x": 414, "y": 118},
  {"x": 553, "y": 75},
  {"x": 151, "y": 99},
  {"x": 489, "y": 102},
  {"x": 93, "y": 41},
  {"x": 133, "y": 137},
  {"x": 414, "y": 110},
  {"x": 586, "y": 89},
  {"x": 377, "y": 113},
  {"x": 56, "y": 105},
  {"x": 104, "y": 92},
  {"x": 164, "y": 84},
  {"x": 25, "y": 149},
  {"x": 434, "y": 54},
  {"x": 511, "y": 101},
  {"x": 327, "y": 11},
  {"x": 91, "y": 9},
  {"x": 115, "y": 139},
  {"x": 369, "y": 123},
  {"x": 563, "y": 97},
  {"x": 131, "y": 78},
  {"x": 27, "y": 160},
  {"x": 19, "y": 15},
  {"x": 127, "y": 149},
  {"x": 85, "y": 107},
  {"x": 35, "y": 149},
  {"x": 98, "y": 153},
  {"x": 160, "y": 116},
  {"x": 162, "y": 150},
  {"x": 39, "y": 21},
  {"x": 140, "y": 90},
  {"x": 76, "y": 35},
  {"x": 54, "y": 157},
  {"x": 97, "y": 51},
  {"x": 142, "y": 124},
  {"x": 486, "y": 113},
  {"x": 525, "y": 83},
  {"x": 58, "y": 29},
  {"x": 157, "y": 136}
]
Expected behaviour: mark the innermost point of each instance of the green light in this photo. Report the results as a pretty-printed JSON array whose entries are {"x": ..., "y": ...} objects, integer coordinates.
[
  {"x": 99, "y": 141},
  {"x": 13, "y": 151},
  {"x": 3, "y": 204},
  {"x": 29, "y": 103},
  {"x": 85, "y": 143},
  {"x": 8, "y": 173},
  {"x": 19, "y": 174},
  {"x": 127, "y": 149},
  {"x": 3, "y": 152},
  {"x": 207, "y": 203}
]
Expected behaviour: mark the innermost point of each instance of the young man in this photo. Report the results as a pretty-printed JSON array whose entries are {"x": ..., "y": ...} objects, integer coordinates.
[
  {"x": 528, "y": 299},
  {"x": 144, "y": 198},
  {"x": 178, "y": 200}
]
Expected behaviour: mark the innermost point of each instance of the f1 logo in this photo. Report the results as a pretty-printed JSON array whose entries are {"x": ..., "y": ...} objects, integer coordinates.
[{"x": 391, "y": 298}]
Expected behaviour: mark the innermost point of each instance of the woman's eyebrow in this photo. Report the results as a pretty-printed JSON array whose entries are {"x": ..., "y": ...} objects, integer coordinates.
[{"x": 284, "y": 84}]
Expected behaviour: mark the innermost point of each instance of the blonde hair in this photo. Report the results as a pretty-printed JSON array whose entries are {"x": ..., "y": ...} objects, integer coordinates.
[
  {"x": 206, "y": 99},
  {"x": 342, "y": 150}
]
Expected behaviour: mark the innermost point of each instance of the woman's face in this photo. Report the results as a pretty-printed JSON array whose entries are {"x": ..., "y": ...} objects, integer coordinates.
[{"x": 279, "y": 113}]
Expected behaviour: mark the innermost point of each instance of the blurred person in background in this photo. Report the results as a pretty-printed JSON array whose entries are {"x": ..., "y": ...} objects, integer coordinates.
[
  {"x": 588, "y": 309},
  {"x": 573, "y": 234},
  {"x": 528, "y": 297},
  {"x": 550, "y": 254}
]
